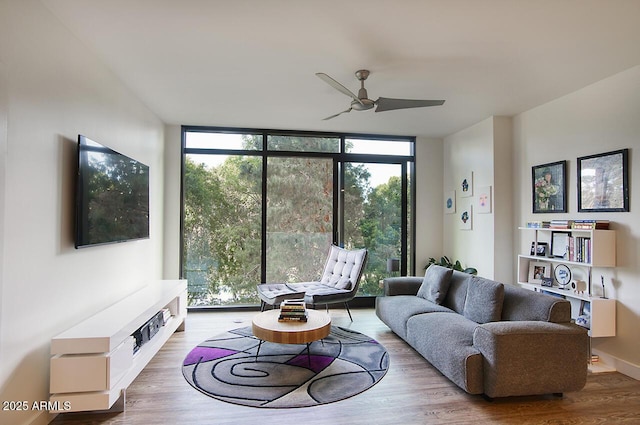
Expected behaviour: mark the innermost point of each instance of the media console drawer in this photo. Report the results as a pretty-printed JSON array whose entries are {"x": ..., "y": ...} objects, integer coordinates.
[{"x": 91, "y": 372}]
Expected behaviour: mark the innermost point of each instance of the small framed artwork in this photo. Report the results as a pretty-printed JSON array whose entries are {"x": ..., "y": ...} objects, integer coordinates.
[
  {"x": 466, "y": 185},
  {"x": 560, "y": 244},
  {"x": 450, "y": 202},
  {"x": 465, "y": 216},
  {"x": 603, "y": 182},
  {"x": 549, "y": 187},
  {"x": 538, "y": 270},
  {"x": 483, "y": 200},
  {"x": 540, "y": 250}
]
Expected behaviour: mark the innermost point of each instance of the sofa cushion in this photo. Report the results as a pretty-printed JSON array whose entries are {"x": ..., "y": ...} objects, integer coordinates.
[
  {"x": 484, "y": 300},
  {"x": 522, "y": 304},
  {"x": 457, "y": 293},
  {"x": 275, "y": 293},
  {"x": 318, "y": 293},
  {"x": 435, "y": 284},
  {"x": 395, "y": 311}
]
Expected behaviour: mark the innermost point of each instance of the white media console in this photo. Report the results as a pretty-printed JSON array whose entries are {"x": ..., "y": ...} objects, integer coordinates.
[{"x": 93, "y": 363}]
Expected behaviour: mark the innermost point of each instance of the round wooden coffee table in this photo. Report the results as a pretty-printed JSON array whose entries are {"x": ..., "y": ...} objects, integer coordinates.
[{"x": 266, "y": 327}]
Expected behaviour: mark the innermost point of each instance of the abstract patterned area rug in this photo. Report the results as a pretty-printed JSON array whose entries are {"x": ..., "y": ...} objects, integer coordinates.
[{"x": 342, "y": 365}]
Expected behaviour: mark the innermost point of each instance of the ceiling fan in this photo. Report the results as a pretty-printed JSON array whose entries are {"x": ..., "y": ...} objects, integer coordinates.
[{"x": 361, "y": 102}]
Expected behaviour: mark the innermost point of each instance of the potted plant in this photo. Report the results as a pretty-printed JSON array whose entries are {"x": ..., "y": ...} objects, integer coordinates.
[{"x": 446, "y": 262}]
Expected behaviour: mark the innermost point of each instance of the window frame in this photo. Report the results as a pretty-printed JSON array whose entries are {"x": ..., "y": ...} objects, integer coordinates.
[{"x": 407, "y": 163}]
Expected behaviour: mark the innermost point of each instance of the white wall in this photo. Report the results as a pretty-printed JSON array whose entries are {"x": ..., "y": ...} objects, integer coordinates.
[
  {"x": 3, "y": 165},
  {"x": 503, "y": 199},
  {"x": 599, "y": 118},
  {"x": 172, "y": 188},
  {"x": 55, "y": 89},
  {"x": 429, "y": 201},
  {"x": 485, "y": 150}
]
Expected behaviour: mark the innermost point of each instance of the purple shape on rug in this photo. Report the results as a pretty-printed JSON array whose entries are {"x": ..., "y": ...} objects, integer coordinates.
[
  {"x": 318, "y": 363},
  {"x": 205, "y": 354}
]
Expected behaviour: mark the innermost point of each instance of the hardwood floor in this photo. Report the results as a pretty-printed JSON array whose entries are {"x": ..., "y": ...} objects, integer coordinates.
[{"x": 412, "y": 392}]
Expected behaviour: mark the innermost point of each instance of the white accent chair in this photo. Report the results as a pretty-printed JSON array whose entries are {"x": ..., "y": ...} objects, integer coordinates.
[{"x": 339, "y": 282}]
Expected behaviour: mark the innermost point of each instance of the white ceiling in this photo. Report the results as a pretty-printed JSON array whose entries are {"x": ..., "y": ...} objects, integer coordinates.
[{"x": 251, "y": 63}]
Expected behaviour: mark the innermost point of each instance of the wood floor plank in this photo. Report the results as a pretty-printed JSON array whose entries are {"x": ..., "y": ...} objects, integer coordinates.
[{"x": 412, "y": 392}]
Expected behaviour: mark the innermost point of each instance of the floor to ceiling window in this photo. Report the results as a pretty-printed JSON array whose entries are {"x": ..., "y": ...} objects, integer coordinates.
[{"x": 264, "y": 206}]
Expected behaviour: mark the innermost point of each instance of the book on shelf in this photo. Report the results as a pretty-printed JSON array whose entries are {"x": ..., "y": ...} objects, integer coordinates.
[
  {"x": 538, "y": 224},
  {"x": 560, "y": 224},
  {"x": 587, "y": 224},
  {"x": 579, "y": 249},
  {"x": 590, "y": 224}
]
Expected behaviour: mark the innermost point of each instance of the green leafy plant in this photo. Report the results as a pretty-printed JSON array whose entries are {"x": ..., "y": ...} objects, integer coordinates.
[{"x": 446, "y": 262}]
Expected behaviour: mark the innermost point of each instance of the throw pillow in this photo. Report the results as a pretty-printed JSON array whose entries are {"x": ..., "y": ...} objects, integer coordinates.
[
  {"x": 484, "y": 300},
  {"x": 435, "y": 284}
]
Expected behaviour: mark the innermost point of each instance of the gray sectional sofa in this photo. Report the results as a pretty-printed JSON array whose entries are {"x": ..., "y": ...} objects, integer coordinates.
[{"x": 489, "y": 338}]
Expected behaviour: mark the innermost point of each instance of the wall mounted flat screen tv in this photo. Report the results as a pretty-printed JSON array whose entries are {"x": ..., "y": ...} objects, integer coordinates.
[{"x": 112, "y": 196}]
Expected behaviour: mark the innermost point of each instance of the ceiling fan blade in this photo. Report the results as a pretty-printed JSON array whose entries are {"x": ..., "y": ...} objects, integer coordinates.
[
  {"x": 336, "y": 85},
  {"x": 388, "y": 104},
  {"x": 339, "y": 113}
]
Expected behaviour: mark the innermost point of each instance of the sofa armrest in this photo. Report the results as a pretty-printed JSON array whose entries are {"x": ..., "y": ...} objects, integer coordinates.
[
  {"x": 404, "y": 285},
  {"x": 532, "y": 357}
]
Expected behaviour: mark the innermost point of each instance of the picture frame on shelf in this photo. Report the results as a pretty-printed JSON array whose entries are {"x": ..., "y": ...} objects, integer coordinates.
[
  {"x": 549, "y": 187},
  {"x": 603, "y": 182},
  {"x": 560, "y": 244},
  {"x": 540, "y": 250},
  {"x": 538, "y": 270}
]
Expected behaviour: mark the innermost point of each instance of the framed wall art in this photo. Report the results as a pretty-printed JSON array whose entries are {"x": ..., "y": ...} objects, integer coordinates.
[
  {"x": 450, "y": 202},
  {"x": 466, "y": 185},
  {"x": 603, "y": 182},
  {"x": 549, "y": 187},
  {"x": 483, "y": 200},
  {"x": 465, "y": 216}
]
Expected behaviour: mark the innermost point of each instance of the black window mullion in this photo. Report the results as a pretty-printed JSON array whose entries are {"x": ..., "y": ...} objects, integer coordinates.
[
  {"x": 263, "y": 227},
  {"x": 403, "y": 224}
]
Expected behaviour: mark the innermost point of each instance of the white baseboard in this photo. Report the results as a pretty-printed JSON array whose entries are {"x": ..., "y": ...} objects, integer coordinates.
[{"x": 622, "y": 366}]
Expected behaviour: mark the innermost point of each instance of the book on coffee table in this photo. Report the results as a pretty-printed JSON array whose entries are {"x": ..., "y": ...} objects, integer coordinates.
[{"x": 293, "y": 311}]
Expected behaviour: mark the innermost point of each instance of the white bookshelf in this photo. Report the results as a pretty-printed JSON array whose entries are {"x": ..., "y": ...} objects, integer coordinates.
[
  {"x": 93, "y": 362},
  {"x": 603, "y": 254}
]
